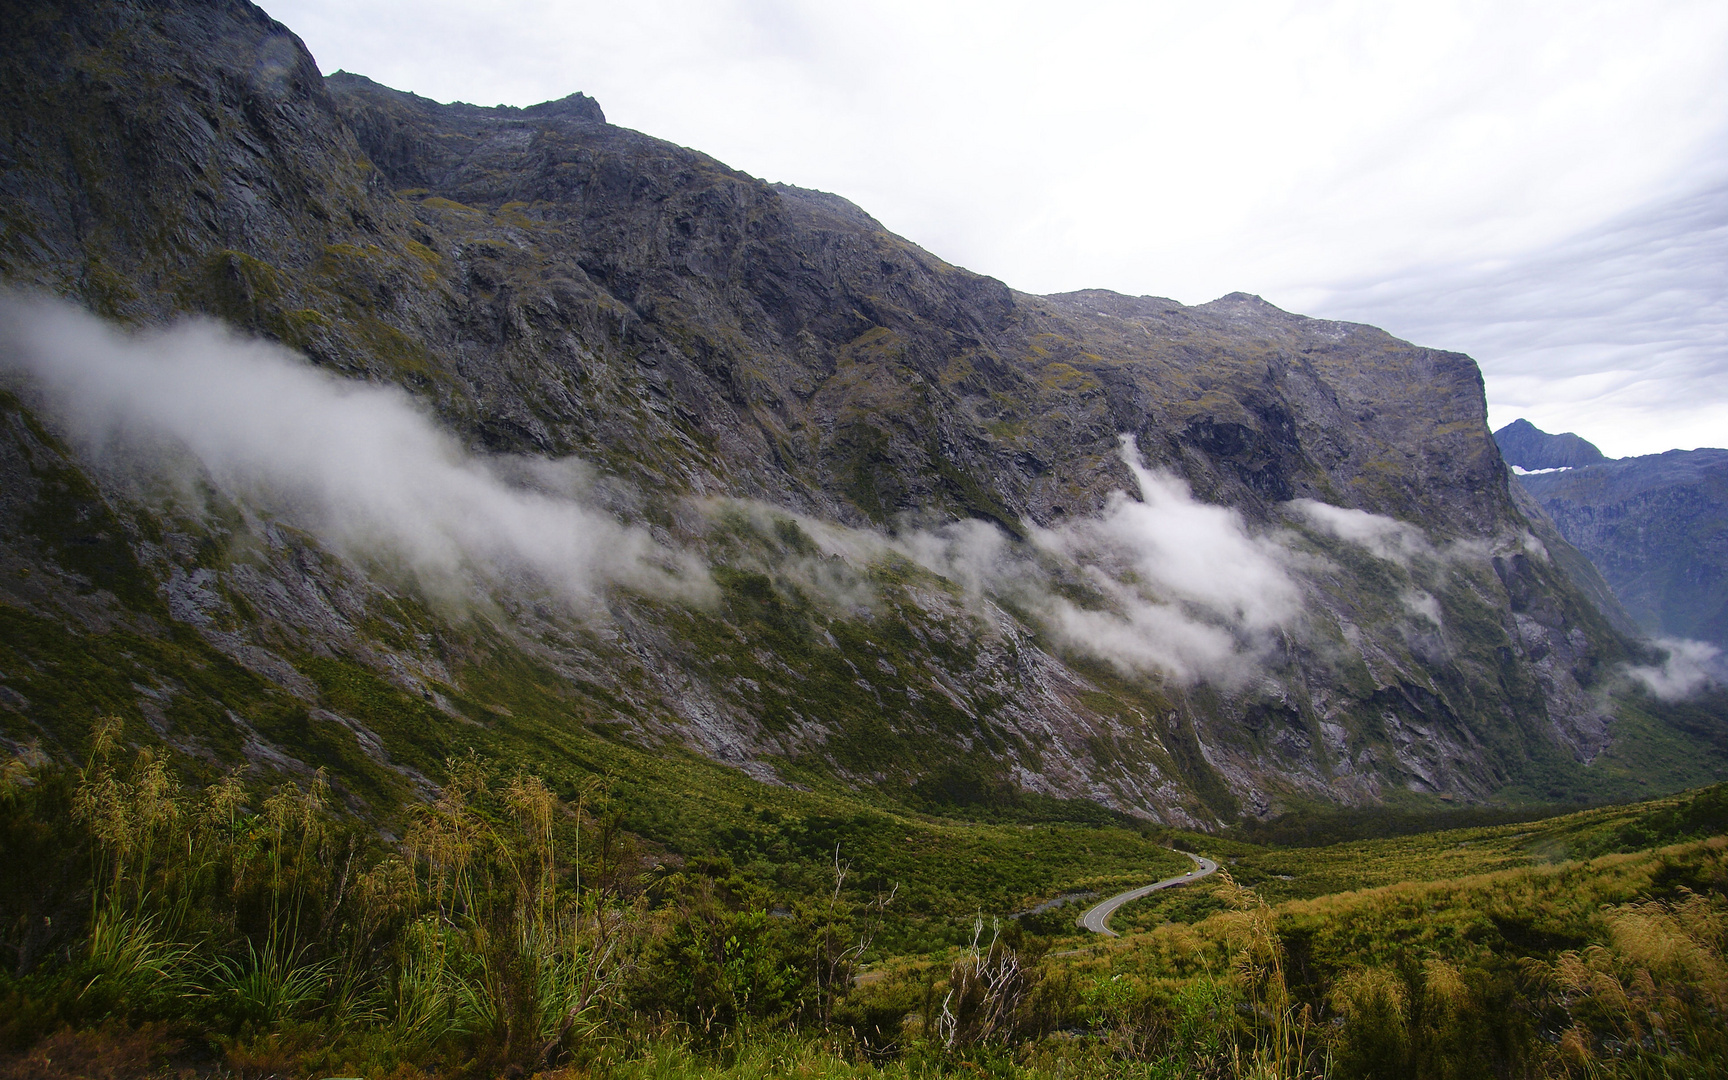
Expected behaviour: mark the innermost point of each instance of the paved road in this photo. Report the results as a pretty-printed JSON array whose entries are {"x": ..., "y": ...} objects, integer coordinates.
[{"x": 1098, "y": 916}]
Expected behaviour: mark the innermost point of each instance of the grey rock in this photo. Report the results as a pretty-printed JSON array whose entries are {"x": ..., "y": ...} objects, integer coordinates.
[
  {"x": 549, "y": 284},
  {"x": 1657, "y": 527},
  {"x": 1529, "y": 447}
]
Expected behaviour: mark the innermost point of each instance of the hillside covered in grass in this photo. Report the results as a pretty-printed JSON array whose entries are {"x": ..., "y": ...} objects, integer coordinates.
[{"x": 509, "y": 931}]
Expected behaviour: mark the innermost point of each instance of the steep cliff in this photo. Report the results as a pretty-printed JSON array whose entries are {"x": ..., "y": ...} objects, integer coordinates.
[
  {"x": 856, "y": 512},
  {"x": 1657, "y": 526}
]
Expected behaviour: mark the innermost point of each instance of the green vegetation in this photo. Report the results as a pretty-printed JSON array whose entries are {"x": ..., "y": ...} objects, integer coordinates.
[
  {"x": 521, "y": 882},
  {"x": 233, "y": 927},
  {"x": 1306, "y": 856},
  {"x": 368, "y": 835}
]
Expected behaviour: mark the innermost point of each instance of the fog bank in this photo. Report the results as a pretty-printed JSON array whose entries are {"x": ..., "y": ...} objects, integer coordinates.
[
  {"x": 1158, "y": 583},
  {"x": 1688, "y": 668},
  {"x": 360, "y": 466}
]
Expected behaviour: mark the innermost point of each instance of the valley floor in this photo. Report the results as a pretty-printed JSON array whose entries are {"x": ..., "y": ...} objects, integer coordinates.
[{"x": 216, "y": 932}]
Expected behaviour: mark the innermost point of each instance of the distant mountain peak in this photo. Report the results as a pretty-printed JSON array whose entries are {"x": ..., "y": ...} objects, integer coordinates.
[
  {"x": 576, "y": 106},
  {"x": 1527, "y": 446}
]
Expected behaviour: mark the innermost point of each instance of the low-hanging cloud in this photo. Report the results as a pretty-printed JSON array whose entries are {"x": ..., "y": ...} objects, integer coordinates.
[
  {"x": 1183, "y": 589},
  {"x": 357, "y": 465},
  {"x": 1189, "y": 592},
  {"x": 1196, "y": 595},
  {"x": 1186, "y": 551},
  {"x": 1387, "y": 538},
  {"x": 973, "y": 554},
  {"x": 1688, "y": 667}
]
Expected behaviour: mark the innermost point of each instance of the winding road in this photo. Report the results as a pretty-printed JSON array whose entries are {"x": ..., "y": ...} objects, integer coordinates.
[{"x": 1098, "y": 916}]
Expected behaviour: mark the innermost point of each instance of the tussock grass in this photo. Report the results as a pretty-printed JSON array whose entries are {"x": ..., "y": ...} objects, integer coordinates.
[{"x": 255, "y": 930}]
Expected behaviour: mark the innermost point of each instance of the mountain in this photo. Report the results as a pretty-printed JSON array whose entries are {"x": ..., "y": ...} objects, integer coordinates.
[
  {"x": 1657, "y": 527},
  {"x": 1528, "y": 447},
  {"x": 604, "y": 456}
]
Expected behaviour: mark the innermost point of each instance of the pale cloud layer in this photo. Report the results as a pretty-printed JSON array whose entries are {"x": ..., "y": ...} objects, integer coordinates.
[
  {"x": 1188, "y": 591},
  {"x": 1185, "y": 589},
  {"x": 1388, "y": 538},
  {"x": 360, "y": 466},
  {"x": 1687, "y": 667},
  {"x": 1535, "y": 183},
  {"x": 1176, "y": 588},
  {"x": 1619, "y": 333},
  {"x": 1182, "y": 550}
]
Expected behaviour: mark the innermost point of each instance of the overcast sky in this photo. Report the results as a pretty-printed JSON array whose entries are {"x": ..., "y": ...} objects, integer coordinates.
[{"x": 1541, "y": 185}]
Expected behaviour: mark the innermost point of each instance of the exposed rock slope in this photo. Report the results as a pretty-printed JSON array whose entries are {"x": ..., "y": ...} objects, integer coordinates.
[
  {"x": 1657, "y": 526},
  {"x": 552, "y": 285}
]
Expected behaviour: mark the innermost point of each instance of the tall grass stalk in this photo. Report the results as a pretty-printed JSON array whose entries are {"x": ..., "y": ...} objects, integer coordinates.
[{"x": 1280, "y": 1029}]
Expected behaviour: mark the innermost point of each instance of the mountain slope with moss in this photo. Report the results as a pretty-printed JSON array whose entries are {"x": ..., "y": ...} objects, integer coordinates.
[{"x": 764, "y": 377}]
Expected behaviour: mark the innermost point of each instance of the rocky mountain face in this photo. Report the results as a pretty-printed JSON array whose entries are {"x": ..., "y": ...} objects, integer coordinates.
[
  {"x": 1527, "y": 446},
  {"x": 1657, "y": 527},
  {"x": 851, "y": 517}
]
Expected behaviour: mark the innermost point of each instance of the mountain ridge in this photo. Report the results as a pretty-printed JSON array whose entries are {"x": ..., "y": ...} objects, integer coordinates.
[
  {"x": 1657, "y": 526},
  {"x": 763, "y": 378},
  {"x": 1528, "y": 447}
]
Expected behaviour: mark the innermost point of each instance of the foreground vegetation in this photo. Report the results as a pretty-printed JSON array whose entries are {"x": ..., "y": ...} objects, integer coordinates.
[{"x": 238, "y": 930}]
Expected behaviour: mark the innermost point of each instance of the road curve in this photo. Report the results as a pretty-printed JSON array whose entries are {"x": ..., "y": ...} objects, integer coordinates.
[{"x": 1097, "y": 917}]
